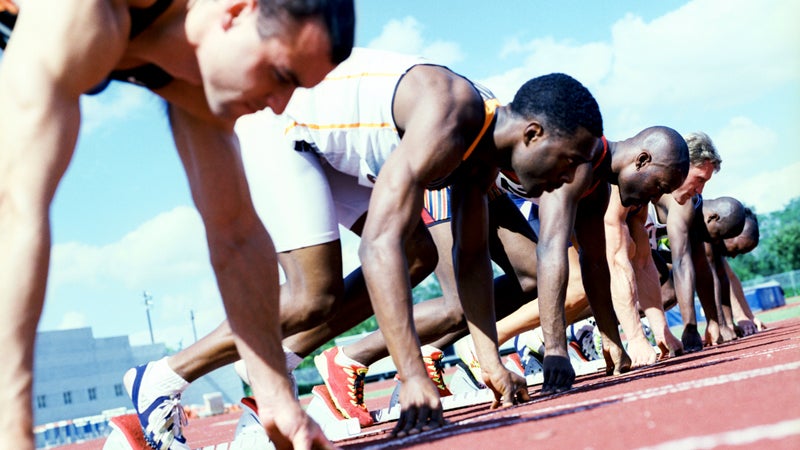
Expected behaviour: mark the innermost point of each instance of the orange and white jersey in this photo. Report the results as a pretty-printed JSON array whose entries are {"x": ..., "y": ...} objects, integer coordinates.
[{"x": 347, "y": 118}]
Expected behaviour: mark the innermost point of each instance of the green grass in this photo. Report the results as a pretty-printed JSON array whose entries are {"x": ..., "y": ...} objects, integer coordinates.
[{"x": 792, "y": 309}]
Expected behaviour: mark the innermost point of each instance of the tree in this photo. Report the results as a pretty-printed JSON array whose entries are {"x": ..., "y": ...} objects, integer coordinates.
[{"x": 779, "y": 247}]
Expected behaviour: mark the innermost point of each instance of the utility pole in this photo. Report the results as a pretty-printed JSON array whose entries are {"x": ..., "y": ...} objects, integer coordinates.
[
  {"x": 148, "y": 300},
  {"x": 194, "y": 330}
]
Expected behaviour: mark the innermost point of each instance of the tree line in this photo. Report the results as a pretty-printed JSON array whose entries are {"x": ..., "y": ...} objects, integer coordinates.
[{"x": 778, "y": 249}]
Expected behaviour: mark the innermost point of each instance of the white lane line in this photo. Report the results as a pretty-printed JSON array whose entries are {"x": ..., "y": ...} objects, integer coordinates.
[
  {"x": 481, "y": 424},
  {"x": 747, "y": 436}
]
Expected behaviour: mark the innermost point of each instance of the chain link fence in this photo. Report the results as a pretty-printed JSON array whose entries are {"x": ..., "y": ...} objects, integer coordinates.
[{"x": 789, "y": 281}]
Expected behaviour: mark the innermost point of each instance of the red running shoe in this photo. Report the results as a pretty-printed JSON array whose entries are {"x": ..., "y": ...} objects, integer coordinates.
[
  {"x": 433, "y": 363},
  {"x": 345, "y": 385}
]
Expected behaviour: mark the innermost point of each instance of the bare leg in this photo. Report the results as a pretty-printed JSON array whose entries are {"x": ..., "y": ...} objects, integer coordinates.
[
  {"x": 527, "y": 317},
  {"x": 432, "y": 318},
  {"x": 211, "y": 352},
  {"x": 356, "y": 306}
]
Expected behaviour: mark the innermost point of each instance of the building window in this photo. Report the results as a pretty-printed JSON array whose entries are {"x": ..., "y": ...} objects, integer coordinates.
[
  {"x": 68, "y": 398},
  {"x": 118, "y": 390},
  {"x": 41, "y": 401},
  {"x": 92, "y": 394}
]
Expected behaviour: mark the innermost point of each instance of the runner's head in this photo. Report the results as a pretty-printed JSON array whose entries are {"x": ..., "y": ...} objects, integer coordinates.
[
  {"x": 562, "y": 128},
  {"x": 252, "y": 54},
  {"x": 705, "y": 161},
  {"x": 723, "y": 217},
  {"x": 747, "y": 240},
  {"x": 657, "y": 161}
]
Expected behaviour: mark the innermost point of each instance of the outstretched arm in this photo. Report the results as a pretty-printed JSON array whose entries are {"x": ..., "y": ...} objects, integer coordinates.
[
  {"x": 557, "y": 211},
  {"x": 746, "y": 322},
  {"x": 648, "y": 286},
  {"x": 246, "y": 268},
  {"x": 439, "y": 114},
  {"x": 473, "y": 271},
  {"x": 58, "y": 50},
  {"x": 620, "y": 253},
  {"x": 719, "y": 287},
  {"x": 678, "y": 223}
]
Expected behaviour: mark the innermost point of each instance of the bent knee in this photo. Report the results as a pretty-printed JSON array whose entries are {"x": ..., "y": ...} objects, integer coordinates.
[
  {"x": 316, "y": 305},
  {"x": 528, "y": 283}
]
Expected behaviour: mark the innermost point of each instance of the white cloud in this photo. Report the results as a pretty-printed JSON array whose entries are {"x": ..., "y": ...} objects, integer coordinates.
[
  {"x": 745, "y": 145},
  {"x": 756, "y": 168},
  {"x": 589, "y": 63},
  {"x": 767, "y": 190},
  {"x": 712, "y": 53},
  {"x": 103, "y": 285},
  {"x": 171, "y": 245},
  {"x": 73, "y": 319},
  {"x": 116, "y": 103},
  {"x": 406, "y": 36}
]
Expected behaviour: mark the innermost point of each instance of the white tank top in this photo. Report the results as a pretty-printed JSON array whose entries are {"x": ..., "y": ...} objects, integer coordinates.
[{"x": 347, "y": 118}]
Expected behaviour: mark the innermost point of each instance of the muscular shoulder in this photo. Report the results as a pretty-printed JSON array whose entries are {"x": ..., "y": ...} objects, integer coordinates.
[{"x": 441, "y": 96}]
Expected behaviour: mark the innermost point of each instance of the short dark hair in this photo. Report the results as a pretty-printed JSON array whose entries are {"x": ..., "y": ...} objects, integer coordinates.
[
  {"x": 338, "y": 15},
  {"x": 752, "y": 230},
  {"x": 561, "y": 102},
  {"x": 732, "y": 214}
]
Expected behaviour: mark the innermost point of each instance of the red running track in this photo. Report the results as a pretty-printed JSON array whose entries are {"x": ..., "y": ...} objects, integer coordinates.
[{"x": 743, "y": 394}]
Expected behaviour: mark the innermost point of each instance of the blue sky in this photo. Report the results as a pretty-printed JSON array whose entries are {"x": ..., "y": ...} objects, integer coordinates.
[{"x": 123, "y": 221}]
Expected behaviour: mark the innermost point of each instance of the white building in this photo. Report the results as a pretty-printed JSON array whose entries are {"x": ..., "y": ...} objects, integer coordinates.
[{"x": 77, "y": 375}]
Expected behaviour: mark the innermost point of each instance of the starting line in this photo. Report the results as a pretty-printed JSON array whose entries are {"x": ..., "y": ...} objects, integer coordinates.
[{"x": 337, "y": 429}]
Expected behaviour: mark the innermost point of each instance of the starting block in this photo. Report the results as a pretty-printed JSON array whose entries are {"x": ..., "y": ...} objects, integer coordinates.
[
  {"x": 250, "y": 434},
  {"x": 336, "y": 427},
  {"x": 126, "y": 434}
]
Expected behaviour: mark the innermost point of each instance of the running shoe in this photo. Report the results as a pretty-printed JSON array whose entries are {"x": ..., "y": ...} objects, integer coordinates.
[
  {"x": 345, "y": 385},
  {"x": 163, "y": 419},
  {"x": 435, "y": 366},
  {"x": 465, "y": 350},
  {"x": 250, "y": 433},
  {"x": 463, "y": 380},
  {"x": 524, "y": 361},
  {"x": 514, "y": 364}
]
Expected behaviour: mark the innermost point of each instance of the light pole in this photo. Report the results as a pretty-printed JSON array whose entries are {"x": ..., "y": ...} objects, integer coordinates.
[
  {"x": 194, "y": 330},
  {"x": 148, "y": 300}
]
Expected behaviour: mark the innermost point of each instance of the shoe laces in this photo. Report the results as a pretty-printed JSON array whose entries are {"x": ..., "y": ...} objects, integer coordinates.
[
  {"x": 435, "y": 368},
  {"x": 355, "y": 378},
  {"x": 167, "y": 419}
]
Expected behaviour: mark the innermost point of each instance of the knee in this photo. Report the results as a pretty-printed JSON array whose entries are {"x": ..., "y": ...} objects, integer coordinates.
[
  {"x": 451, "y": 316},
  {"x": 316, "y": 304},
  {"x": 528, "y": 284},
  {"x": 422, "y": 256}
]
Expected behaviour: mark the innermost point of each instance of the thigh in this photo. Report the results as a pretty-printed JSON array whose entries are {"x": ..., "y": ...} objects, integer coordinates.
[
  {"x": 290, "y": 190},
  {"x": 512, "y": 241},
  {"x": 350, "y": 199}
]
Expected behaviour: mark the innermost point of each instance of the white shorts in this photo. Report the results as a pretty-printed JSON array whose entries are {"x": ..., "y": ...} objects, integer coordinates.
[{"x": 300, "y": 198}]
